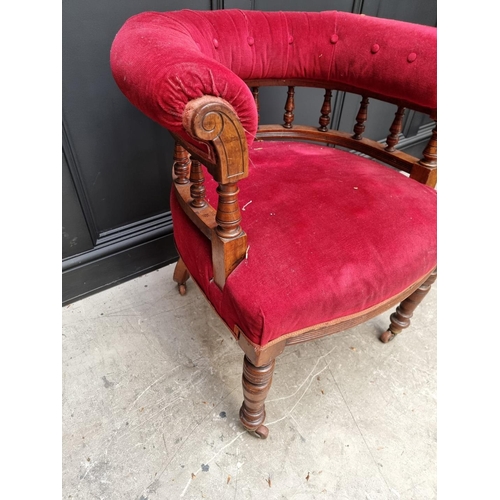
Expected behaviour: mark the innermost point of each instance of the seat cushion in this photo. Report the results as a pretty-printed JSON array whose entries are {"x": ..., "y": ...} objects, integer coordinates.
[{"x": 330, "y": 234}]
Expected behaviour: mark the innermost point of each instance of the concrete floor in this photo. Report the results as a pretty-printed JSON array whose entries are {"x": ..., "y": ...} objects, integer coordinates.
[{"x": 152, "y": 390}]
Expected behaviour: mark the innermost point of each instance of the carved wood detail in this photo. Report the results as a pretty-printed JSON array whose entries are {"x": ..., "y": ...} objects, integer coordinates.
[
  {"x": 203, "y": 218},
  {"x": 361, "y": 117},
  {"x": 197, "y": 189},
  {"x": 181, "y": 165},
  {"x": 259, "y": 356},
  {"x": 425, "y": 171},
  {"x": 326, "y": 109},
  {"x": 339, "y": 86},
  {"x": 289, "y": 107},
  {"x": 229, "y": 242},
  {"x": 228, "y": 216},
  {"x": 400, "y": 319},
  {"x": 212, "y": 120},
  {"x": 395, "y": 129},
  {"x": 256, "y": 384},
  {"x": 226, "y": 255},
  {"x": 397, "y": 159}
]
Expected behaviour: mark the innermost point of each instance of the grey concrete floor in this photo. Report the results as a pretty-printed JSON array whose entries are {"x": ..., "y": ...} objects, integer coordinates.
[{"x": 152, "y": 390}]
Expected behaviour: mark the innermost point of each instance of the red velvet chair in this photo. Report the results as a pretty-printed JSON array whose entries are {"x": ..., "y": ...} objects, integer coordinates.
[{"x": 289, "y": 239}]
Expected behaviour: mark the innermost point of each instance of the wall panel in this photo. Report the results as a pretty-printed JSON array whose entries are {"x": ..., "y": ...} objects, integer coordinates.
[{"x": 118, "y": 160}]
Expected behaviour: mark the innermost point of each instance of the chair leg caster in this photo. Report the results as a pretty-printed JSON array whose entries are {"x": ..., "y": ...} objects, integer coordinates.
[
  {"x": 256, "y": 383},
  {"x": 181, "y": 275},
  {"x": 387, "y": 336},
  {"x": 261, "y": 432},
  {"x": 400, "y": 319}
]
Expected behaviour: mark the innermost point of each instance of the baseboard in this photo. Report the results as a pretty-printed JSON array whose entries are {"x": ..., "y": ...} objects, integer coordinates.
[{"x": 128, "y": 255}]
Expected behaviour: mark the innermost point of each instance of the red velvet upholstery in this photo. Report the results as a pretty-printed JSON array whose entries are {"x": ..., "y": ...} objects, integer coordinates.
[
  {"x": 336, "y": 233},
  {"x": 161, "y": 61},
  {"x": 335, "y": 237},
  {"x": 331, "y": 238}
]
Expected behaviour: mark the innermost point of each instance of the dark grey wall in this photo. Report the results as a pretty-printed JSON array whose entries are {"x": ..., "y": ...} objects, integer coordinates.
[{"x": 117, "y": 162}]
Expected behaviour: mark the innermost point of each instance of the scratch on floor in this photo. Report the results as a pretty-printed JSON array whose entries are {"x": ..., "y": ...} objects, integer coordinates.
[
  {"x": 149, "y": 387},
  {"x": 89, "y": 468},
  {"x": 118, "y": 312},
  {"x": 237, "y": 470},
  {"x": 170, "y": 403},
  {"x": 288, "y": 413},
  {"x": 128, "y": 431},
  {"x": 297, "y": 426},
  {"x": 208, "y": 413},
  {"x": 211, "y": 460},
  {"x": 166, "y": 311},
  {"x": 359, "y": 430},
  {"x": 305, "y": 380}
]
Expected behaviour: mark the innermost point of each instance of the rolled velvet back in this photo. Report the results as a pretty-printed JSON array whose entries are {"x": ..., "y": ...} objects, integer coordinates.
[{"x": 161, "y": 61}]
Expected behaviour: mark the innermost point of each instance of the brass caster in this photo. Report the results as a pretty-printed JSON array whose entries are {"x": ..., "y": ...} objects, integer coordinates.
[
  {"x": 182, "y": 288},
  {"x": 261, "y": 432},
  {"x": 387, "y": 336}
]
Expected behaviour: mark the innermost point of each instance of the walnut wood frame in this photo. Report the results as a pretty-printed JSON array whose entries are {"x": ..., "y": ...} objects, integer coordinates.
[{"x": 213, "y": 123}]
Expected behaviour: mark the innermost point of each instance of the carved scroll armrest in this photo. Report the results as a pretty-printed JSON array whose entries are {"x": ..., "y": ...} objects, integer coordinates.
[{"x": 213, "y": 121}]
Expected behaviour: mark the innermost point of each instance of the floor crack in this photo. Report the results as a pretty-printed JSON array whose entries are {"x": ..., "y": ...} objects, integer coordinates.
[{"x": 359, "y": 430}]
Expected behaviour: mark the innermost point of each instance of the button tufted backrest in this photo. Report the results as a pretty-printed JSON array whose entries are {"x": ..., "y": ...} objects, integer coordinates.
[{"x": 161, "y": 61}]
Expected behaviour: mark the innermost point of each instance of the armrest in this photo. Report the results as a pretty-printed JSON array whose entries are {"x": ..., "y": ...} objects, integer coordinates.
[
  {"x": 160, "y": 67},
  {"x": 214, "y": 121}
]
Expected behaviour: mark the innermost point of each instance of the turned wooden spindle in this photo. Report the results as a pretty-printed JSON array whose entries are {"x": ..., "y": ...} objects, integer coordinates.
[
  {"x": 289, "y": 107},
  {"x": 255, "y": 93},
  {"x": 256, "y": 384},
  {"x": 430, "y": 152},
  {"x": 228, "y": 215},
  {"x": 401, "y": 318},
  {"x": 361, "y": 117},
  {"x": 395, "y": 129},
  {"x": 197, "y": 187},
  {"x": 181, "y": 165},
  {"x": 425, "y": 170},
  {"x": 326, "y": 109}
]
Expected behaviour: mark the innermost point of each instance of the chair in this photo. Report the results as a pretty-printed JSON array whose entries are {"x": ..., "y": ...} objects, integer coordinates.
[{"x": 292, "y": 232}]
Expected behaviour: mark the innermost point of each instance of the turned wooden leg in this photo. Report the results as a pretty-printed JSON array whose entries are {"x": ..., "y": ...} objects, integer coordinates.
[
  {"x": 256, "y": 383},
  {"x": 181, "y": 275},
  {"x": 401, "y": 318}
]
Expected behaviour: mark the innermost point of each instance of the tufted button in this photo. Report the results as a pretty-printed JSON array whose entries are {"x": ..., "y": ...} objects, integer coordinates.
[
  {"x": 290, "y": 39},
  {"x": 250, "y": 41},
  {"x": 375, "y": 48},
  {"x": 334, "y": 38},
  {"x": 216, "y": 43},
  {"x": 412, "y": 57}
]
